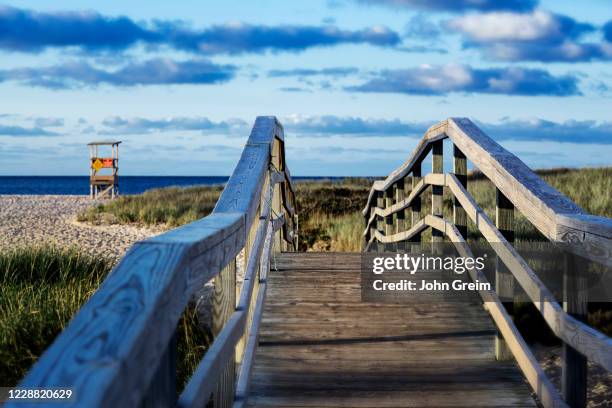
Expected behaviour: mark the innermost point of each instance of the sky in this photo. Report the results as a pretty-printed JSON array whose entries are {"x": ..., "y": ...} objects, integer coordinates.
[{"x": 354, "y": 82}]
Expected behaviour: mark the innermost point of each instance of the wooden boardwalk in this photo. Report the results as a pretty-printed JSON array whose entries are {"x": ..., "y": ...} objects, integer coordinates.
[
  {"x": 320, "y": 346},
  {"x": 299, "y": 335}
]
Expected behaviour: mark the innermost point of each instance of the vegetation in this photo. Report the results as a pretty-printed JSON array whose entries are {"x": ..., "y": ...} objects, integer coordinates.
[
  {"x": 330, "y": 211},
  {"x": 42, "y": 288},
  {"x": 171, "y": 206}
]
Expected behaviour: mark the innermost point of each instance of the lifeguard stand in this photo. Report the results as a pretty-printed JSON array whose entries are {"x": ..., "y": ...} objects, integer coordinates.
[{"x": 103, "y": 171}]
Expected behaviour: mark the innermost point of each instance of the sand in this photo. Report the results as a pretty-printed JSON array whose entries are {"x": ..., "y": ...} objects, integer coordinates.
[
  {"x": 599, "y": 388},
  {"x": 39, "y": 220},
  {"x": 27, "y": 220}
]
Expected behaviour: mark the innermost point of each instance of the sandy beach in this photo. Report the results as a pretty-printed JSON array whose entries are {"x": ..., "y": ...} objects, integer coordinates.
[{"x": 27, "y": 220}]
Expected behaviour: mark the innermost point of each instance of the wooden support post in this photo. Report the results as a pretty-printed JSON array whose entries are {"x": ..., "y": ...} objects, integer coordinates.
[
  {"x": 367, "y": 235},
  {"x": 504, "y": 281},
  {"x": 437, "y": 166},
  {"x": 415, "y": 209},
  {"x": 162, "y": 389},
  {"x": 380, "y": 222},
  {"x": 400, "y": 224},
  {"x": 372, "y": 227},
  {"x": 224, "y": 304},
  {"x": 460, "y": 170},
  {"x": 574, "y": 364},
  {"x": 389, "y": 219},
  {"x": 277, "y": 204}
]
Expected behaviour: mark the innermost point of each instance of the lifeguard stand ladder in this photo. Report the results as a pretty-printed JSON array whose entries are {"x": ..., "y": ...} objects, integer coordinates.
[{"x": 101, "y": 183}]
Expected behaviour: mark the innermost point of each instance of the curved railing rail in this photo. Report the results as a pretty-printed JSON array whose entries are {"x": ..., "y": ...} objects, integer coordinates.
[
  {"x": 393, "y": 215},
  {"x": 120, "y": 349}
]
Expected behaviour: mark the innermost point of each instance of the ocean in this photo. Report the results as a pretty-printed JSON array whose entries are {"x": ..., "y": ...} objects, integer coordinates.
[{"x": 79, "y": 185}]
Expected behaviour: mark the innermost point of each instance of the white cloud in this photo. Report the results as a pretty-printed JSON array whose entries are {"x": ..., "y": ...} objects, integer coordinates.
[{"x": 507, "y": 26}]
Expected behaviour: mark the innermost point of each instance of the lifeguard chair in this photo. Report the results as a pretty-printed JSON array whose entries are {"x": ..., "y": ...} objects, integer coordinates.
[{"x": 103, "y": 171}]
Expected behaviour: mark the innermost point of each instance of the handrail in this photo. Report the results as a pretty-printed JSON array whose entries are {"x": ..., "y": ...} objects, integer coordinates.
[
  {"x": 553, "y": 214},
  {"x": 115, "y": 351}
]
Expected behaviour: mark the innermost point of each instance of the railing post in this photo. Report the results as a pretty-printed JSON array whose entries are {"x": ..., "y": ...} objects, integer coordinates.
[
  {"x": 389, "y": 218},
  {"x": 437, "y": 166},
  {"x": 415, "y": 208},
  {"x": 366, "y": 236},
  {"x": 277, "y": 204},
  {"x": 460, "y": 170},
  {"x": 574, "y": 364},
  {"x": 504, "y": 281},
  {"x": 224, "y": 304},
  {"x": 400, "y": 225},
  {"x": 162, "y": 389},
  {"x": 380, "y": 222},
  {"x": 372, "y": 226}
]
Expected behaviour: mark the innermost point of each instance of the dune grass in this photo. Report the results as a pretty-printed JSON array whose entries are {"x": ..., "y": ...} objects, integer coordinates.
[
  {"x": 42, "y": 288},
  {"x": 171, "y": 207},
  {"x": 330, "y": 211}
]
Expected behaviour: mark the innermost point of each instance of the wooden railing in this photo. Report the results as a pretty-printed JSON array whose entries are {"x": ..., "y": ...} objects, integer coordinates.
[
  {"x": 120, "y": 349},
  {"x": 393, "y": 216}
]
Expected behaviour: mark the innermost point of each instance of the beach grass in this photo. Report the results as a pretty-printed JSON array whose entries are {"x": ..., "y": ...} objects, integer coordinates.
[
  {"x": 330, "y": 210},
  {"x": 172, "y": 206},
  {"x": 41, "y": 288}
]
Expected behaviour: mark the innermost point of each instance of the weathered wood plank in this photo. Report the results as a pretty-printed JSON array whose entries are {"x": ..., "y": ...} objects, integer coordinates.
[
  {"x": 399, "y": 197},
  {"x": 529, "y": 365},
  {"x": 224, "y": 304},
  {"x": 547, "y": 209},
  {"x": 331, "y": 351},
  {"x": 592, "y": 343},
  {"x": 434, "y": 133},
  {"x": 104, "y": 348},
  {"x": 574, "y": 369},
  {"x": 415, "y": 209},
  {"x": 437, "y": 167},
  {"x": 557, "y": 217},
  {"x": 460, "y": 171},
  {"x": 380, "y": 220},
  {"x": 504, "y": 281}
]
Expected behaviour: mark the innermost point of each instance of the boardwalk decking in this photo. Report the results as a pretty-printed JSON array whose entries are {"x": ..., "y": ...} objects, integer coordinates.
[{"x": 320, "y": 346}]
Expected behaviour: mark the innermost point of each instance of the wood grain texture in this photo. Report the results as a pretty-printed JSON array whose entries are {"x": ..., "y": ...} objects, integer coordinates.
[
  {"x": 553, "y": 214},
  {"x": 380, "y": 219},
  {"x": 437, "y": 167},
  {"x": 434, "y": 133},
  {"x": 547, "y": 209},
  {"x": 574, "y": 369},
  {"x": 504, "y": 281},
  {"x": 400, "y": 216},
  {"x": 320, "y": 349},
  {"x": 537, "y": 379},
  {"x": 415, "y": 208},
  {"x": 592, "y": 343},
  {"x": 128, "y": 323},
  {"x": 224, "y": 305},
  {"x": 389, "y": 217},
  {"x": 413, "y": 199},
  {"x": 460, "y": 171}
]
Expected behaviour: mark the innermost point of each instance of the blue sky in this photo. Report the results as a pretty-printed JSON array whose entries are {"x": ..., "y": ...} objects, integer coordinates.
[{"x": 181, "y": 82}]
